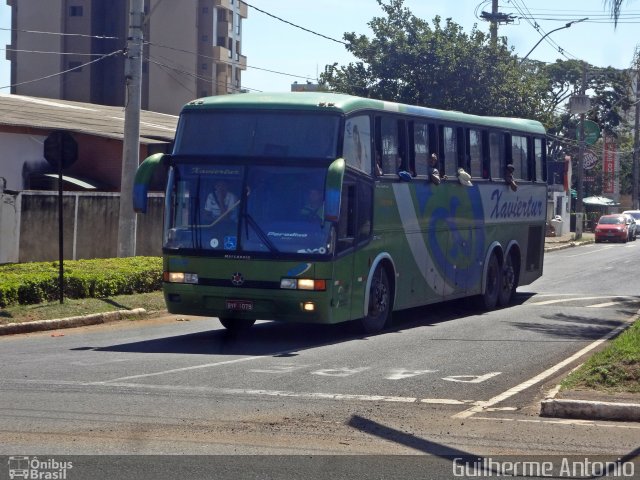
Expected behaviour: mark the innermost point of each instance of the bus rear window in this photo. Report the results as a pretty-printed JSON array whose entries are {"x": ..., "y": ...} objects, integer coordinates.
[{"x": 257, "y": 134}]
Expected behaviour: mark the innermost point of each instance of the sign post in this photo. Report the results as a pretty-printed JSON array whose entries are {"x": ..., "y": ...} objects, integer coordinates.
[{"x": 61, "y": 151}]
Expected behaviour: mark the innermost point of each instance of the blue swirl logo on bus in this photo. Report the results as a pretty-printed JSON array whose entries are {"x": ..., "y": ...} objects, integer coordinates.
[{"x": 456, "y": 234}]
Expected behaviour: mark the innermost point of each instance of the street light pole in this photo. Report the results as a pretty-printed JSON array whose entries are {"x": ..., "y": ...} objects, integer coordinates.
[{"x": 549, "y": 33}]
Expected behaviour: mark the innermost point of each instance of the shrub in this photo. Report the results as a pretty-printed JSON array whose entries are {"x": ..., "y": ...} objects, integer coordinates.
[{"x": 37, "y": 282}]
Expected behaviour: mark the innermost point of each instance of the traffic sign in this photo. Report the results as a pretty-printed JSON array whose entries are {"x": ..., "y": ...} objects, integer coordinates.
[
  {"x": 591, "y": 132},
  {"x": 60, "y": 149}
]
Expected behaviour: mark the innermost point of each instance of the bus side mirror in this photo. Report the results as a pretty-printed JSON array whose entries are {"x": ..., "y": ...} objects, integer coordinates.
[
  {"x": 333, "y": 190},
  {"x": 141, "y": 182}
]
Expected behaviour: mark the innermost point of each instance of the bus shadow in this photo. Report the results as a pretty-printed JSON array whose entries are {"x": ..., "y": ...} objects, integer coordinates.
[{"x": 285, "y": 339}]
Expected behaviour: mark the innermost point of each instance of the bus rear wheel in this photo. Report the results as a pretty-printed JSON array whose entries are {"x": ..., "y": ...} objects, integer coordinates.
[
  {"x": 236, "y": 324},
  {"x": 379, "y": 310},
  {"x": 492, "y": 282},
  {"x": 509, "y": 282}
]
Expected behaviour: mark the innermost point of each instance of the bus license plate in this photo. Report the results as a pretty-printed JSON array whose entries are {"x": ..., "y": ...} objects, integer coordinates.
[{"x": 243, "y": 305}]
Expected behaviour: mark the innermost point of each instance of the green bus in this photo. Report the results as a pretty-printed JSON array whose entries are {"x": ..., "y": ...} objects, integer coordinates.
[{"x": 326, "y": 208}]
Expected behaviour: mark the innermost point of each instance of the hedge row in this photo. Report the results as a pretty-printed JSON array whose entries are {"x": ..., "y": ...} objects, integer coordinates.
[{"x": 29, "y": 283}]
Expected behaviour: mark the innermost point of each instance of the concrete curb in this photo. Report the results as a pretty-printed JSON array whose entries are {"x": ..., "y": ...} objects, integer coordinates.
[
  {"x": 56, "y": 323},
  {"x": 590, "y": 410}
]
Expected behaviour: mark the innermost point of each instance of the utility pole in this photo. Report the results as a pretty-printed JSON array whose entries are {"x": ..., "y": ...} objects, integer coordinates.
[
  {"x": 131, "y": 143},
  {"x": 580, "y": 104},
  {"x": 636, "y": 141},
  {"x": 494, "y": 22}
]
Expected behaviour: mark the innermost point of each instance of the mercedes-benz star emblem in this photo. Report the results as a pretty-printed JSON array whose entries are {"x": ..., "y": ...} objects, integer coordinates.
[{"x": 237, "y": 279}]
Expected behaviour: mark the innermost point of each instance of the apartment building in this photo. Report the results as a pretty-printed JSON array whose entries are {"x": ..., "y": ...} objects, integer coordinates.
[{"x": 192, "y": 49}]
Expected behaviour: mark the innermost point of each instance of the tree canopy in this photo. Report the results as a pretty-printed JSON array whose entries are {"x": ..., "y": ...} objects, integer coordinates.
[{"x": 438, "y": 65}]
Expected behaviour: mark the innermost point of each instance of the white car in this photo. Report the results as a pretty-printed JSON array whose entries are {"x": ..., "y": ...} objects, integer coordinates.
[{"x": 635, "y": 214}]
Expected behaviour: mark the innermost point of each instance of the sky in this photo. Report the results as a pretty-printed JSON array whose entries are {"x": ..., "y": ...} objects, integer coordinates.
[{"x": 271, "y": 44}]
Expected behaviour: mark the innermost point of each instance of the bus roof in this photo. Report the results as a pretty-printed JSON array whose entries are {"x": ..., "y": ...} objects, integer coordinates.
[{"x": 340, "y": 103}]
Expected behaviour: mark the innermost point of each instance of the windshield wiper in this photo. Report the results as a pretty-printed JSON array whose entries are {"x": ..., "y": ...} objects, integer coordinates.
[{"x": 256, "y": 228}]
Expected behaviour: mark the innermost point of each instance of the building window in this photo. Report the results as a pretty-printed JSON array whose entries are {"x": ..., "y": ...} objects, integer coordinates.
[
  {"x": 76, "y": 66},
  {"x": 75, "y": 11},
  {"x": 205, "y": 38},
  {"x": 205, "y": 10},
  {"x": 204, "y": 66}
]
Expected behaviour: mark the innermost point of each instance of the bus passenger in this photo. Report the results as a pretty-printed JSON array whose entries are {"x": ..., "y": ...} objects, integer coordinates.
[{"x": 220, "y": 202}]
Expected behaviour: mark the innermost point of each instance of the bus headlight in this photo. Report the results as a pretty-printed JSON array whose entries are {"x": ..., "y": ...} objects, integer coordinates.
[
  {"x": 180, "y": 277},
  {"x": 303, "y": 284}
]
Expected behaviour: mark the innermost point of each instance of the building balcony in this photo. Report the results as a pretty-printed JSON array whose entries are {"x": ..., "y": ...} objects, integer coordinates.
[
  {"x": 221, "y": 54},
  {"x": 227, "y": 5}
]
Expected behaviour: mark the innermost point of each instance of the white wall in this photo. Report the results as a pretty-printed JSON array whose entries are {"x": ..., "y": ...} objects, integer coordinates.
[{"x": 18, "y": 153}]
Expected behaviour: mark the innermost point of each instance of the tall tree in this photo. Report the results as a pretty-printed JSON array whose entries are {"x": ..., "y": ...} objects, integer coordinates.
[{"x": 411, "y": 61}]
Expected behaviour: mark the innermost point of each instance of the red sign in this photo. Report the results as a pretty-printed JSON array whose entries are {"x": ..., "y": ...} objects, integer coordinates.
[{"x": 609, "y": 165}]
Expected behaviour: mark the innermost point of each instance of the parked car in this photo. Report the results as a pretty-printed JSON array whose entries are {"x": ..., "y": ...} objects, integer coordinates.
[
  {"x": 636, "y": 216},
  {"x": 633, "y": 226},
  {"x": 613, "y": 228}
]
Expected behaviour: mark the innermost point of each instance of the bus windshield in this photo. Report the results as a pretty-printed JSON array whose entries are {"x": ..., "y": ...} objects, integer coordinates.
[
  {"x": 258, "y": 134},
  {"x": 249, "y": 209}
]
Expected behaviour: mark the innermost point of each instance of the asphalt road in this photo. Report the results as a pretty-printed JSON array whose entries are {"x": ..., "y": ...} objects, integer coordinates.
[{"x": 447, "y": 380}]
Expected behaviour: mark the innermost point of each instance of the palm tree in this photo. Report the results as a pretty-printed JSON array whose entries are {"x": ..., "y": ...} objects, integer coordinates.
[{"x": 614, "y": 6}]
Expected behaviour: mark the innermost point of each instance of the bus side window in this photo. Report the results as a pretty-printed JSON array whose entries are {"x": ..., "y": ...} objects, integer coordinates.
[
  {"x": 520, "y": 157},
  {"x": 389, "y": 145},
  {"x": 539, "y": 155},
  {"x": 496, "y": 166},
  {"x": 450, "y": 151},
  {"x": 420, "y": 148},
  {"x": 474, "y": 149}
]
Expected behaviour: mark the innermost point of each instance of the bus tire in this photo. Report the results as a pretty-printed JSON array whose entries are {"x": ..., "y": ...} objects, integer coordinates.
[
  {"x": 509, "y": 282},
  {"x": 236, "y": 324},
  {"x": 379, "y": 310},
  {"x": 492, "y": 282}
]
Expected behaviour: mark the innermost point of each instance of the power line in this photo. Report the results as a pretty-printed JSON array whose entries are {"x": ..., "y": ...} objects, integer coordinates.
[
  {"x": 60, "y": 34},
  {"x": 65, "y": 71},
  {"x": 294, "y": 25},
  {"x": 227, "y": 63},
  {"x": 52, "y": 53}
]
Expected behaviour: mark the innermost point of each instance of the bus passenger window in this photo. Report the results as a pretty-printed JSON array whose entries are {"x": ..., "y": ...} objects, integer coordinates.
[
  {"x": 450, "y": 151},
  {"x": 421, "y": 148},
  {"x": 356, "y": 149},
  {"x": 540, "y": 159},
  {"x": 475, "y": 153},
  {"x": 519, "y": 157},
  {"x": 496, "y": 164},
  {"x": 390, "y": 160}
]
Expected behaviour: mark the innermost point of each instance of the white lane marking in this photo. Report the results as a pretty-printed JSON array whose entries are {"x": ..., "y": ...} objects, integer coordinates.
[
  {"x": 590, "y": 252},
  {"x": 254, "y": 392},
  {"x": 176, "y": 370},
  {"x": 285, "y": 368},
  {"x": 541, "y": 376},
  {"x": 471, "y": 378},
  {"x": 339, "y": 372},
  {"x": 401, "y": 373},
  {"x": 602, "y": 305},
  {"x": 563, "y": 421},
  {"x": 560, "y": 300}
]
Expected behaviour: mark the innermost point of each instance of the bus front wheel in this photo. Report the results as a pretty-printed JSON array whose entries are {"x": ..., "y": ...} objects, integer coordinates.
[
  {"x": 492, "y": 282},
  {"x": 379, "y": 309},
  {"x": 236, "y": 324}
]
